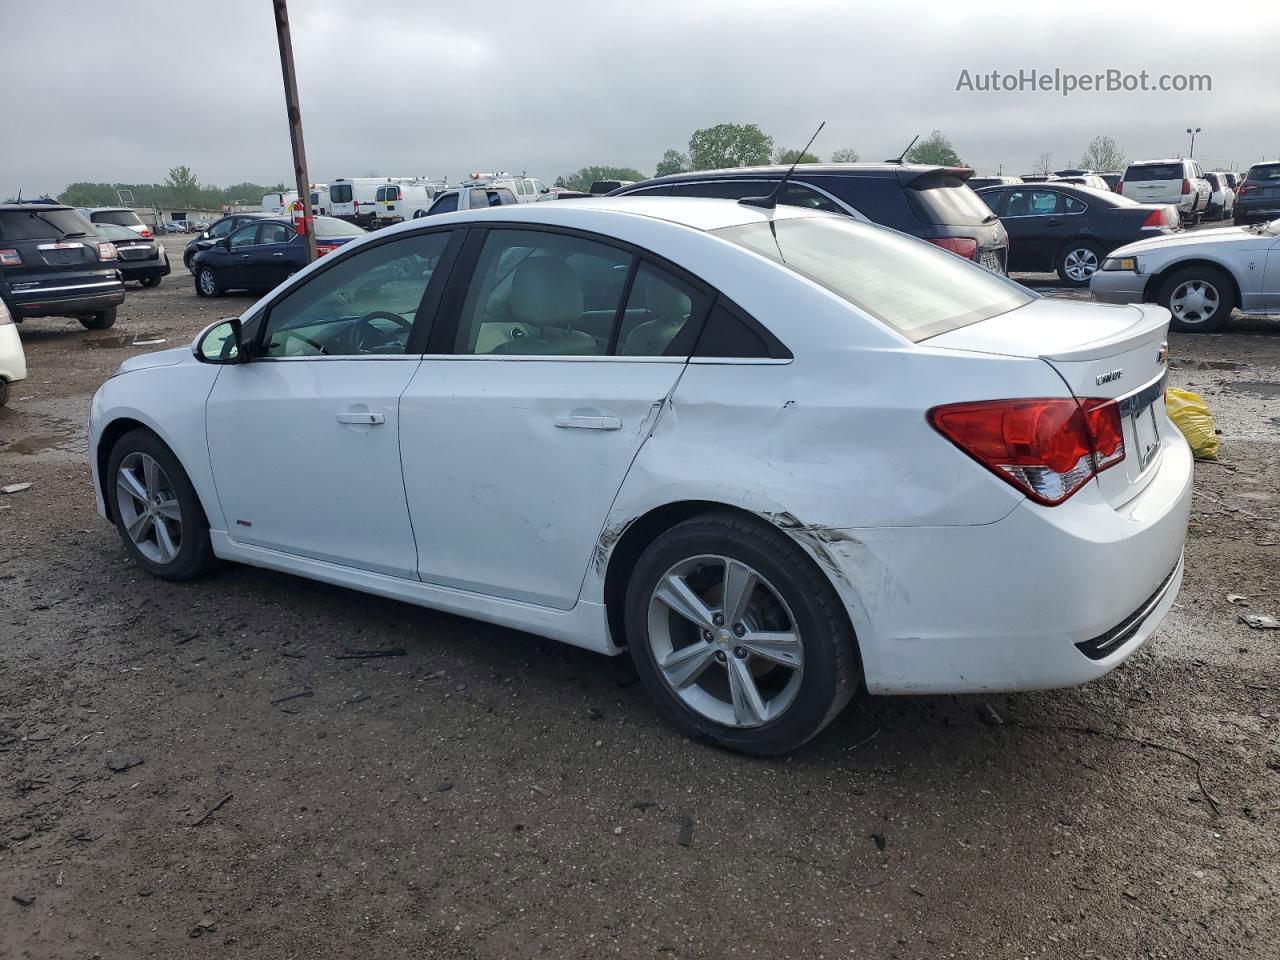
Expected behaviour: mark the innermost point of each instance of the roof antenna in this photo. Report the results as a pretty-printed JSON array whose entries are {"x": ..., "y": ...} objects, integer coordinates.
[
  {"x": 902, "y": 156},
  {"x": 771, "y": 201}
]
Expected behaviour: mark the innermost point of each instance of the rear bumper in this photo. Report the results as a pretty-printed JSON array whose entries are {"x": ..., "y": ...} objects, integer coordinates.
[
  {"x": 1254, "y": 212},
  {"x": 1118, "y": 286},
  {"x": 1047, "y": 597},
  {"x": 145, "y": 269},
  {"x": 13, "y": 362},
  {"x": 65, "y": 300}
]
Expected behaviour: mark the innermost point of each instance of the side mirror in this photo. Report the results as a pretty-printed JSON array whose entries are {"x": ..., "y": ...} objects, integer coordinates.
[
  {"x": 223, "y": 242},
  {"x": 219, "y": 343},
  {"x": 545, "y": 190}
]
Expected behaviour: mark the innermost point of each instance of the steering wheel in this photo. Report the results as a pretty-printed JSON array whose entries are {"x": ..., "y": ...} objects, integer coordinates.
[{"x": 364, "y": 325}]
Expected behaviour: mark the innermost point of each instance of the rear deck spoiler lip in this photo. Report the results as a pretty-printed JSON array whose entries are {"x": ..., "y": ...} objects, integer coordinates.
[
  {"x": 909, "y": 175},
  {"x": 1152, "y": 322}
]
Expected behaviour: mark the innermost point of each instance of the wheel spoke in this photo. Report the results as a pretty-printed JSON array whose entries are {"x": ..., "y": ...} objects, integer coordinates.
[
  {"x": 739, "y": 583},
  {"x": 150, "y": 475},
  {"x": 685, "y": 665},
  {"x": 128, "y": 482},
  {"x": 782, "y": 647},
  {"x": 748, "y": 707},
  {"x": 140, "y": 527},
  {"x": 679, "y": 596},
  {"x": 168, "y": 550},
  {"x": 170, "y": 509}
]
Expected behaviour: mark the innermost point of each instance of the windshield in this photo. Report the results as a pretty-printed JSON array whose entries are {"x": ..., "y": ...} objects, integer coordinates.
[
  {"x": 914, "y": 287},
  {"x": 41, "y": 223},
  {"x": 333, "y": 227},
  {"x": 340, "y": 193}
]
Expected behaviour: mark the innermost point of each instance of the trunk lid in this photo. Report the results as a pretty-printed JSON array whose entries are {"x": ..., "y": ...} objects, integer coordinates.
[{"x": 1102, "y": 351}]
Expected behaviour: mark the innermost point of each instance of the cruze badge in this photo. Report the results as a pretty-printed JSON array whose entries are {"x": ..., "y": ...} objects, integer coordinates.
[
  {"x": 1163, "y": 353},
  {"x": 1109, "y": 376}
]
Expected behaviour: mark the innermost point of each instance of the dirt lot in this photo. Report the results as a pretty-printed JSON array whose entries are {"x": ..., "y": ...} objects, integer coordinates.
[{"x": 195, "y": 770}]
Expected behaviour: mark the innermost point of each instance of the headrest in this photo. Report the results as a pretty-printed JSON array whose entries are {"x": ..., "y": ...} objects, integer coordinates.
[{"x": 545, "y": 292}]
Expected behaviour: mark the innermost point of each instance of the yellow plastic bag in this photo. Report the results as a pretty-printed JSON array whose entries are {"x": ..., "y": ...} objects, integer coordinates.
[{"x": 1191, "y": 415}]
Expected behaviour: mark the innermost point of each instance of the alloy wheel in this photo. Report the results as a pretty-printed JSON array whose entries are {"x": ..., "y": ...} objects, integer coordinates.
[
  {"x": 1194, "y": 301},
  {"x": 207, "y": 284},
  {"x": 725, "y": 641},
  {"x": 1080, "y": 264},
  {"x": 148, "y": 507}
]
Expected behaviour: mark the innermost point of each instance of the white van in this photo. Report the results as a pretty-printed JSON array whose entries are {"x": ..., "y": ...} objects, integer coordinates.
[
  {"x": 320, "y": 199},
  {"x": 354, "y": 199},
  {"x": 403, "y": 199},
  {"x": 1180, "y": 182},
  {"x": 279, "y": 202}
]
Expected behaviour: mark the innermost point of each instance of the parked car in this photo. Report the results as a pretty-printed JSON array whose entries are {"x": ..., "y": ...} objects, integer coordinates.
[
  {"x": 320, "y": 199},
  {"x": 1258, "y": 197},
  {"x": 1091, "y": 180},
  {"x": 601, "y": 187},
  {"x": 144, "y": 260},
  {"x": 469, "y": 198},
  {"x": 1222, "y": 199},
  {"x": 175, "y": 226},
  {"x": 798, "y": 432},
  {"x": 525, "y": 189},
  {"x": 356, "y": 199},
  {"x": 977, "y": 183},
  {"x": 1070, "y": 229},
  {"x": 930, "y": 202},
  {"x": 1198, "y": 277},
  {"x": 279, "y": 202},
  {"x": 1179, "y": 182},
  {"x": 13, "y": 362},
  {"x": 213, "y": 232},
  {"x": 1037, "y": 177},
  {"x": 262, "y": 253},
  {"x": 52, "y": 264},
  {"x": 121, "y": 216},
  {"x": 1113, "y": 180},
  {"x": 198, "y": 226}
]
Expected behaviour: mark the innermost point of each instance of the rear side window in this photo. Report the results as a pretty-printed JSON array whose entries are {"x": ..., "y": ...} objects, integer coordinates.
[
  {"x": 728, "y": 334},
  {"x": 1071, "y": 205},
  {"x": 658, "y": 310},
  {"x": 38, "y": 224},
  {"x": 500, "y": 196},
  {"x": 946, "y": 200},
  {"x": 994, "y": 199},
  {"x": 446, "y": 204},
  {"x": 332, "y": 227},
  {"x": 723, "y": 189},
  {"x": 479, "y": 199},
  {"x": 914, "y": 287},
  {"x": 1264, "y": 171},
  {"x": 1031, "y": 203},
  {"x": 123, "y": 218},
  {"x": 340, "y": 193},
  {"x": 1153, "y": 171}
]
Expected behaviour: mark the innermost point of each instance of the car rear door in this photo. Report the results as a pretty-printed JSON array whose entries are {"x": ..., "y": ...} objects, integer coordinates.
[{"x": 520, "y": 425}]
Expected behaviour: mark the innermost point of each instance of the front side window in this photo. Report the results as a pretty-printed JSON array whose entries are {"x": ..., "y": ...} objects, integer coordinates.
[
  {"x": 500, "y": 196},
  {"x": 542, "y": 294},
  {"x": 364, "y": 305},
  {"x": 993, "y": 199},
  {"x": 911, "y": 286},
  {"x": 223, "y": 227},
  {"x": 1031, "y": 203},
  {"x": 274, "y": 233},
  {"x": 724, "y": 189},
  {"x": 244, "y": 237},
  {"x": 479, "y": 198}
]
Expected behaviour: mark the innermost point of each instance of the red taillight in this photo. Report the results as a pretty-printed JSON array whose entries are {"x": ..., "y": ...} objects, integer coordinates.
[
  {"x": 323, "y": 248},
  {"x": 1155, "y": 218},
  {"x": 10, "y": 258},
  {"x": 1047, "y": 448},
  {"x": 1186, "y": 186},
  {"x": 145, "y": 232},
  {"x": 961, "y": 246},
  {"x": 1244, "y": 187},
  {"x": 1120, "y": 187}
]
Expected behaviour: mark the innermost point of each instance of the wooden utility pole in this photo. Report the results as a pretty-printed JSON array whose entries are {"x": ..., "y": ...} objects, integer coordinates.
[{"x": 295, "y": 125}]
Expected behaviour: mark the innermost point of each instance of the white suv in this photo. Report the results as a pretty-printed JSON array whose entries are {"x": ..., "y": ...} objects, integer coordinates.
[{"x": 1179, "y": 182}]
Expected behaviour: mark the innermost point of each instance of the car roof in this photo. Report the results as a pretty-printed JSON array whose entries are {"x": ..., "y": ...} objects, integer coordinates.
[
  {"x": 827, "y": 169},
  {"x": 1143, "y": 163},
  {"x": 34, "y": 205}
]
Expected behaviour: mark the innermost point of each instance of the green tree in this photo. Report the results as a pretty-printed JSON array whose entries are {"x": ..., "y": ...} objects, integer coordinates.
[
  {"x": 583, "y": 179},
  {"x": 729, "y": 145},
  {"x": 1103, "y": 155},
  {"x": 793, "y": 156},
  {"x": 845, "y": 155},
  {"x": 673, "y": 161},
  {"x": 183, "y": 186},
  {"x": 935, "y": 149}
]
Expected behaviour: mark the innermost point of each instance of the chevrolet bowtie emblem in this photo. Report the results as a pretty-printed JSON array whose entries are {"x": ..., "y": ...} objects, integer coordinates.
[{"x": 1163, "y": 353}]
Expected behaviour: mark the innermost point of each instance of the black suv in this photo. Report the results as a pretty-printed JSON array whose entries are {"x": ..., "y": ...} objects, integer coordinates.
[
  {"x": 1258, "y": 195},
  {"x": 930, "y": 202},
  {"x": 53, "y": 264},
  {"x": 217, "y": 230}
]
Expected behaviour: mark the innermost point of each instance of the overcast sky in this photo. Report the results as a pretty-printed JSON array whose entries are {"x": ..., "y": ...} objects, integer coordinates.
[{"x": 122, "y": 91}]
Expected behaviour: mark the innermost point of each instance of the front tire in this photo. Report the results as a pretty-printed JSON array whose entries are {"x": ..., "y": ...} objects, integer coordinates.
[
  {"x": 99, "y": 321},
  {"x": 1199, "y": 298},
  {"x": 1077, "y": 262},
  {"x": 156, "y": 510},
  {"x": 207, "y": 283},
  {"x": 738, "y": 635}
]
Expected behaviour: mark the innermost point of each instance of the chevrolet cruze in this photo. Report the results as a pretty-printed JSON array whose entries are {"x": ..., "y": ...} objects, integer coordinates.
[{"x": 780, "y": 456}]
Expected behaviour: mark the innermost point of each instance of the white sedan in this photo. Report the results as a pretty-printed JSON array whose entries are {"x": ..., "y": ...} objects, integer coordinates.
[
  {"x": 1199, "y": 276},
  {"x": 13, "y": 362},
  {"x": 780, "y": 456}
]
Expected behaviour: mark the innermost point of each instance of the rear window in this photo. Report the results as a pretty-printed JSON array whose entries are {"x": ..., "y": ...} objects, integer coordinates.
[
  {"x": 40, "y": 224},
  {"x": 948, "y": 201},
  {"x": 113, "y": 231},
  {"x": 1153, "y": 171},
  {"x": 1264, "y": 171},
  {"x": 340, "y": 193},
  {"x": 123, "y": 218},
  {"x": 914, "y": 287},
  {"x": 332, "y": 227}
]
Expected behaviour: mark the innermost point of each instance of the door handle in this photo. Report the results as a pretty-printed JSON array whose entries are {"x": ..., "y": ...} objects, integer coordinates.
[
  {"x": 277, "y": 254},
  {"x": 244, "y": 256},
  {"x": 1055, "y": 222},
  {"x": 589, "y": 423},
  {"x": 362, "y": 417}
]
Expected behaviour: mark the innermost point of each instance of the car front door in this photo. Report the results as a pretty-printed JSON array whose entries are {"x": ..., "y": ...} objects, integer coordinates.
[
  {"x": 518, "y": 429},
  {"x": 269, "y": 260},
  {"x": 1270, "y": 299},
  {"x": 1035, "y": 227},
  {"x": 305, "y": 437},
  {"x": 231, "y": 263}
]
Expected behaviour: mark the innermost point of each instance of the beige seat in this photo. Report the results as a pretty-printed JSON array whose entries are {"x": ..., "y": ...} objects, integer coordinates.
[
  {"x": 546, "y": 299},
  {"x": 670, "y": 308}
]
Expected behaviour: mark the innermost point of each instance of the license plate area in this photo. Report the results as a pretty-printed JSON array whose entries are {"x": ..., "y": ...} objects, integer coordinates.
[
  {"x": 1139, "y": 413},
  {"x": 991, "y": 260}
]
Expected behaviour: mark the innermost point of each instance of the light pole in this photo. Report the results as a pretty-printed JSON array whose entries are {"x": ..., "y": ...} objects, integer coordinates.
[{"x": 1192, "y": 154}]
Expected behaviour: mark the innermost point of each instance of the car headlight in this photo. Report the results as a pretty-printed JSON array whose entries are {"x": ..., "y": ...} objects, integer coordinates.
[{"x": 1121, "y": 263}]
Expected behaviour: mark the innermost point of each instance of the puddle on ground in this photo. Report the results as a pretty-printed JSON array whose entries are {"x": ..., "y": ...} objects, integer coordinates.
[
  {"x": 1263, "y": 388},
  {"x": 124, "y": 340},
  {"x": 1179, "y": 363},
  {"x": 33, "y": 445}
]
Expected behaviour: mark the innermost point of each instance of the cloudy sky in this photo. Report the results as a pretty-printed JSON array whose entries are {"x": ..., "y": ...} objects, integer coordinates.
[{"x": 122, "y": 91}]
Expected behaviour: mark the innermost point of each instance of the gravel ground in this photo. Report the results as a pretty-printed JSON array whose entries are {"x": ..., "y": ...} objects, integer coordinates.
[{"x": 194, "y": 770}]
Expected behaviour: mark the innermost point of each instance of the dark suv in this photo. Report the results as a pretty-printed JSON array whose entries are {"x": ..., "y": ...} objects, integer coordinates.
[
  {"x": 53, "y": 264},
  {"x": 1258, "y": 195},
  {"x": 217, "y": 230},
  {"x": 930, "y": 202}
]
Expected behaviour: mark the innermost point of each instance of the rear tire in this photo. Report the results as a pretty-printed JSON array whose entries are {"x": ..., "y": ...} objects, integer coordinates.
[
  {"x": 4, "y": 392},
  {"x": 207, "y": 284},
  {"x": 100, "y": 321},
  {"x": 150, "y": 282},
  {"x": 187, "y": 258},
  {"x": 1200, "y": 299},
  {"x": 725, "y": 690},
  {"x": 1077, "y": 262},
  {"x": 170, "y": 537}
]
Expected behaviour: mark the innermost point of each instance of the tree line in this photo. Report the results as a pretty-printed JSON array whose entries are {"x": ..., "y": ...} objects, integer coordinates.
[{"x": 181, "y": 190}]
